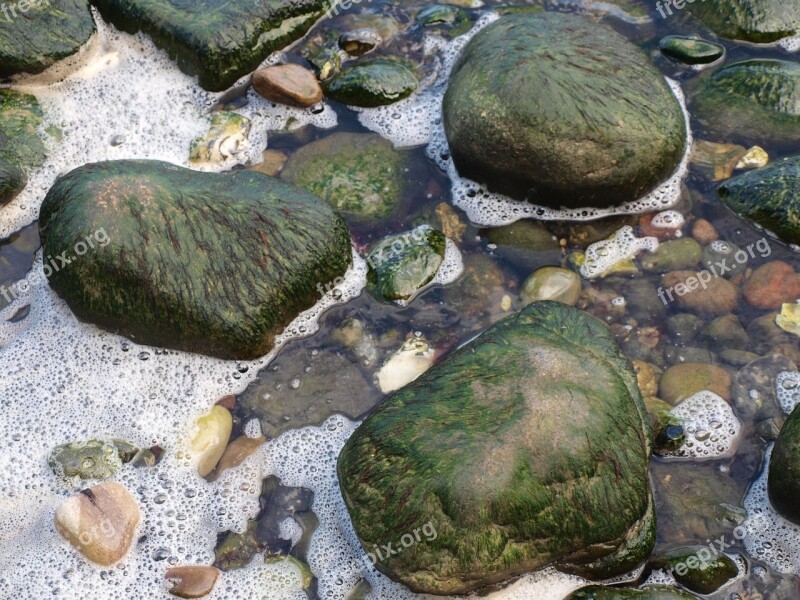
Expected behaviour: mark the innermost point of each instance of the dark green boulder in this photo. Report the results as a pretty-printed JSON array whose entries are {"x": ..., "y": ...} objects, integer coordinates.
[
  {"x": 690, "y": 51},
  {"x": 562, "y": 111},
  {"x": 526, "y": 447},
  {"x": 21, "y": 148},
  {"x": 783, "y": 482},
  {"x": 655, "y": 592},
  {"x": 217, "y": 40},
  {"x": 48, "y": 31},
  {"x": 749, "y": 102},
  {"x": 372, "y": 83},
  {"x": 210, "y": 263},
  {"x": 760, "y": 21},
  {"x": 769, "y": 197},
  {"x": 697, "y": 568},
  {"x": 12, "y": 181}
]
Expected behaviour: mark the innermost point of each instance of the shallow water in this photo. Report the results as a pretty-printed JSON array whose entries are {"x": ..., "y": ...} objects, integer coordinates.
[{"x": 61, "y": 380}]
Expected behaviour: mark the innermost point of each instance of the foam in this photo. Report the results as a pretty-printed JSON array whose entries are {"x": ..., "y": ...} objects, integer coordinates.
[
  {"x": 623, "y": 245},
  {"x": 668, "y": 219},
  {"x": 417, "y": 120},
  {"x": 130, "y": 90},
  {"x": 712, "y": 430},
  {"x": 787, "y": 390}
]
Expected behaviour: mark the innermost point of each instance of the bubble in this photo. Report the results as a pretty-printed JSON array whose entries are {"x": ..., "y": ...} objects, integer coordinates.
[
  {"x": 712, "y": 430},
  {"x": 787, "y": 390}
]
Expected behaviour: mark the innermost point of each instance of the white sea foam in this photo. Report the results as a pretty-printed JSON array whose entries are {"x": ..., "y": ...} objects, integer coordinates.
[{"x": 712, "y": 430}]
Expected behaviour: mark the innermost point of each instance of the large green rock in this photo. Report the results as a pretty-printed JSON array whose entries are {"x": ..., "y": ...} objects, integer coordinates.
[
  {"x": 372, "y": 83},
  {"x": 46, "y": 32},
  {"x": 359, "y": 174},
  {"x": 202, "y": 262},
  {"x": 560, "y": 110},
  {"x": 526, "y": 447},
  {"x": 783, "y": 481},
  {"x": 760, "y": 21},
  {"x": 21, "y": 148},
  {"x": 750, "y": 102},
  {"x": 769, "y": 197},
  {"x": 655, "y": 592},
  {"x": 217, "y": 40}
]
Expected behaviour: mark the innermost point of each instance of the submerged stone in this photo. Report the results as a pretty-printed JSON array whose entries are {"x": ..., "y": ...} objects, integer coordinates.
[
  {"x": 768, "y": 197},
  {"x": 372, "y": 83},
  {"x": 654, "y": 592},
  {"x": 93, "y": 459},
  {"x": 759, "y": 21},
  {"x": 201, "y": 262},
  {"x": 750, "y": 102},
  {"x": 21, "y": 148},
  {"x": 359, "y": 174},
  {"x": 691, "y": 51},
  {"x": 697, "y": 569},
  {"x": 783, "y": 482},
  {"x": 602, "y": 128},
  {"x": 493, "y": 446},
  {"x": 36, "y": 34},
  {"x": 217, "y": 40},
  {"x": 226, "y": 137}
]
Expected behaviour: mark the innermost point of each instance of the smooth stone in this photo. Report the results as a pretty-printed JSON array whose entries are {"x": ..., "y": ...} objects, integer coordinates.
[
  {"x": 718, "y": 298},
  {"x": 523, "y": 235},
  {"x": 647, "y": 377},
  {"x": 186, "y": 265},
  {"x": 684, "y": 327},
  {"x": 682, "y": 381},
  {"x": 209, "y": 443},
  {"x": 236, "y": 452},
  {"x": 552, "y": 283},
  {"x": 691, "y": 51},
  {"x": 493, "y": 443},
  {"x": 710, "y": 573},
  {"x": 679, "y": 355},
  {"x": 765, "y": 334},
  {"x": 673, "y": 255},
  {"x": 771, "y": 285},
  {"x": 226, "y": 137},
  {"x": 359, "y": 41},
  {"x": 207, "y": 37},
  {"x": 21, "y": 148},
  {"x": 726, "y": 332},
  {"x": 753, "y": 387},
  {"x": 592, "y": 84},
  {"x": 642, "y": 301},
  {"x": 719, "y": 160},
  {"x": 759, "y": 21},
  {"x": 789, "y": 318},
  {"x": 654, "y": 592},
  {"x": 783, "y": 480},
  {"x": 289, "y": 84},
  {"x": 92, "y": 459},
  {"x": 192, "y": 581},
  {"x": 400, "y": 265},
  {"x": 704, "y": 232},
  {"x": 47, "y": 31},
  {"x": 272, "y": 163},
  {"x": 755, "y": 158},
  {"x": 749, "y": 102},
  {"x": 359, "y": 174},
  {"x": 477, "y": 295},
  {"x": 738, "y": 358},
  {"x": 453, "y": 19},
  {"x": 378, "y": 82},
  {"x": 719, "y": 258},
  {"x": 99, "y": 522},
  {"x": 413, "y": 358}
]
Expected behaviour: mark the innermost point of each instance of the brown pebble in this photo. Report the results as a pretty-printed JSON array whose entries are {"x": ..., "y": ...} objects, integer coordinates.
[
  {"x": 704, "y": 232},
  {"x": 291, "y": 85},
  {"x": 193, "y": 581},
  {"x": 718, "y": 297},
  {"x": 227, "y": 402}
]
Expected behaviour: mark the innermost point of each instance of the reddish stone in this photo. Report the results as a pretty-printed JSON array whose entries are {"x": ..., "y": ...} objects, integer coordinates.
[
  {"x": 772, "y": 285},
  {"x": 704, "y": 233}
]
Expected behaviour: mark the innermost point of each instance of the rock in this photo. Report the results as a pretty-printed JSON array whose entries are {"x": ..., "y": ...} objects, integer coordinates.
[
  {"x": 552, "y": 283},
  {"x": 684, "y": 327},
  {"x": 719, "y": 159},
  {"x": 678, "y": 355},
  {"x": 766, "y": 336},
  {"x": 691, "y": 51},
  {"x": 226, "y": 137},
  {"x": 272, "y": 163},
  {"x": 738, "y": 358},
  {"x": 755, "y": 158},
  {"x": 372, "y": 83},
  {"x": 651, "y": 592},
  {"x": 401, "y": 265},
  {"x": 719, "y": 258},
  {"x": 592, "y": 84},
  {"x": 208, "y": 444},
  {"x": 99, "y": 522},
  {"x": 685, "y": 380},
  {"x": 455, "y": 20},
  {"x": 642, "y": 301},
  {"x": 783, "y": 481},
  {"x": 704, "y": 232},
  {"x": 301, "y": 388},
  {"x": 674, "y": 255},
  {"x": 359, "y": 174},
  {"x": 749, "y": 102},
  {"x": 718, "y": 297},
  {"x": 523, "y": 235},
  {"x": 236, "y": 453},
  {"x": 477, "y": 295},
  {"x": 647, "y": 377},
  {"x": 789, "y": 319},
  {"x": 760, "y": 21},
  {"x": 696, "y": 569},
  {"x": 289, "y": 84},
  {"x": 726, "y": 332},
  {"x": 753, "y": 387},
  {"x": 21, "y": 149},
  {"x": 186, "y": 264},
  {"x": 359, "y": 41},
  {"x": 193, "y": 581},
  {"x": 469, "y": 448},
  {"x": 207, "y": 38},
  {"x": 35, "y": 35},
  {"x": 92, "y": 459},
  {"x": 771, "y": 285},
  {"x": 414, "y": 358}
]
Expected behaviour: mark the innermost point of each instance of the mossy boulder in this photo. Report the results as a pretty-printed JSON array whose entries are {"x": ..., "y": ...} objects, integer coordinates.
[
  {"x": 358, "y": 174},
  {"x": 526, "y": 447},
  {"x": 372, "y": 83},
  {"x": 749, "y": 102},
  {"x": 21, "y": 148},
  {"x": 697, "y": 568},
  {"x": 769, "y": 197},
  {"x": 217, "y": 40},
  {"x": 783, "y": 481},
  {"x": 759, "y": 21},
  {"x": 654, "y": 592},
  {"x": 690, "y": 51},
  {"x": 557, "y": 109},
  {"x": 210, "y": 263},
  {"x": 46, "y": 32}
]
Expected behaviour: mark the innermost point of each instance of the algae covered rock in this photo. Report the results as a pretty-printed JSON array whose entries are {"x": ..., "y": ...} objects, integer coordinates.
[
  {"x": 210, "y": 263},
  {"x": 697, "y": 569},
  {"x": 769, "y": 197},
  {"x": 690, "y": 51},
  {"x": 359, "y": 174},
  {"x": 655, "y": 592},
  {"x": 783, "y": 482},
  {"x": 562, "y": 111},
  {"x": 759, "y": 21},
  {"x": 527, "y": 446},
  {"x": 372, "y": 83},
  {"x": 36, "y": 34},
  {"x": 21, "y": 148},
  {"x": 217, "y": 40}
]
